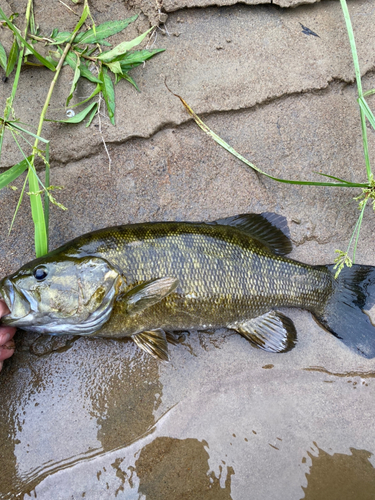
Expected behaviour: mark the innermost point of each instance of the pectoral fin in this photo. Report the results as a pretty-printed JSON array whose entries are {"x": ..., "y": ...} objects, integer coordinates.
[
  {"x": 153, "y": 342},
  {"x": 271, "y": 332},
  {"x": 148, "y": 294}
]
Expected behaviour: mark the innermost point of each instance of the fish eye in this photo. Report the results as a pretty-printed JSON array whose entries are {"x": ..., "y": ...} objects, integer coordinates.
[{"x": 40, "y": 273}]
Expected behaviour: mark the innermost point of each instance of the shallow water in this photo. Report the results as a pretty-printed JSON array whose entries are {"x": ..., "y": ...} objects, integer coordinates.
[{"x": 99, "y": 419}]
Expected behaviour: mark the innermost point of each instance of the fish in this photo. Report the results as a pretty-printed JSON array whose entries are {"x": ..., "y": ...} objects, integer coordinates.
[{"x": 148, "y": 281}]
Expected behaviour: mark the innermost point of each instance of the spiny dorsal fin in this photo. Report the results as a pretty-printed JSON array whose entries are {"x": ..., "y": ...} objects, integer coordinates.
[
  {"x": 153, "y": 342},
  {"x": 271, "y": 332},
  {"x": 269, "y": 228},
  {"x": 148, "y": 294}
]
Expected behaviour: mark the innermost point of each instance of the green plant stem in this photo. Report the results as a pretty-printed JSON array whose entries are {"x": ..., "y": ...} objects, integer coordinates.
[
  {"x": 9, "y": 104},
  {"x": 349, "y": 28}
]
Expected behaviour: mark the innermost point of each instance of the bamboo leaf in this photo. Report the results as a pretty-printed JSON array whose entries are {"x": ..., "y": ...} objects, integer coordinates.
[
  {"x": 77, "y": 74},
  {"x": 91, "y": 117},
  {"x": 3, "y": 58},
  {"x": 122, "y": 48},
  {"x": 23, "y": 41},
  {"x": 96, "y": 91},
  {"x": 13, "y": 56},
  {"x": 115, "y": 67},
  {"x": 104, "y": 30},
  {"x": 108, "y": 93},
  {"x": 12, "y": 173},
  {"x": 86, "y": 73},
  {"x": 134, "y": 59},
  {"x": 78, "y": 117},
  {"x": 71, "y": 59},
  {"x": 128, "y": 78}
]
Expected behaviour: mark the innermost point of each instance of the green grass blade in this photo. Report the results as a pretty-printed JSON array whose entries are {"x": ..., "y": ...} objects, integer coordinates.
[
  {"x": 23, "y": 41},
  {"x": 332, "y": 177},
  {"x": 3, "y": 58},
  {"x": 13, "y": 56},
  {"x": 358, "y": 227},
  {"x": 12, "y": 173},
  {"x": 18, "y": 204},
  {"x": 349, "y": 28},
  {"x": 229, "y": 148},
  {"x": 123, "y": 47},
  {"x": 46, "y": 197},
  {"x": 37, "y": 212},
  {"x": 367, "y": 111},
  {"x": 15, "y": 125}
]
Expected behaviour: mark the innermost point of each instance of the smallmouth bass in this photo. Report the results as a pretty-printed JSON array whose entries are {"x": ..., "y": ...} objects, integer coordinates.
[{"x": 146, "y": 281}]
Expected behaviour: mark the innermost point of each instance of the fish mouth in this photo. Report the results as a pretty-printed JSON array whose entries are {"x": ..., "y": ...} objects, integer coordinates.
[
  {"x": 18, "y": 303},
  {"x": 7, "y": 293}
]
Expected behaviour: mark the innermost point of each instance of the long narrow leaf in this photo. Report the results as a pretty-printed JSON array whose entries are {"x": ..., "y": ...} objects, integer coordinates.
[
  {"x": 71, "y": 59},
  {"x": 41, "y": 242},
  {"x": 349, "y": 28},
  {"x": 77, "y": 74},
  {"x": 79, "y": 117},
  {"x": 108, "y": 93},
  {"x": 96, "y": 91},
  {"x": 22, "y": 40},
  {"x": 18, "y": 204},
  {"x": 226, "y": 146},
  {"x": 13, "y": 56},
  {"x": 12, "y": 173},
  {"x": 46, "y": 197},
  {"x": 91, "y": 117},
  {"x": 122, "y": 48},
  {"x": 3, "y": 58},
  {"x": 15, "y": 125},
  {"x": 104, "y": 30},
  {"x": 367, "y": 111},
  {"x": 134, "y": 59}
]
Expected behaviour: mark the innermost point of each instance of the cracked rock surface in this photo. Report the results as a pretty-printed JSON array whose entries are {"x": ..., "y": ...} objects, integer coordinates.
[{"x": 96, "y": 418}]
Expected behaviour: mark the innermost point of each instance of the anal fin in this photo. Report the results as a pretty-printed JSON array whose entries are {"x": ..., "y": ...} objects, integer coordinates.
[
  {"x": 153, "y": 342},
  {"x": 272, "y": 332}
]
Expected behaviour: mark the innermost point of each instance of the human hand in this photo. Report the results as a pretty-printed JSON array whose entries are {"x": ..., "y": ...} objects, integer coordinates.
[{"x": 6, "y": 335}]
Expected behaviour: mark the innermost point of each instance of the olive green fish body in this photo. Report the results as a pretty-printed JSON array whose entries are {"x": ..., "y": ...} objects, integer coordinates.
[{"x": 145, "y": 280}]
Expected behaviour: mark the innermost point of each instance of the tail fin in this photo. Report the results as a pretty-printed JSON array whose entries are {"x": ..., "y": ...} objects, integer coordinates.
[{"x": 343, "y": 314}]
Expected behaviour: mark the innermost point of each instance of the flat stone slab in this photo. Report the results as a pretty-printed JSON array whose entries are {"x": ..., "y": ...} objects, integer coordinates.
[
  {"x": 221, "y": 60},
  {"x": 96, "y": 418},
  {"x": 173, "y": 5}
]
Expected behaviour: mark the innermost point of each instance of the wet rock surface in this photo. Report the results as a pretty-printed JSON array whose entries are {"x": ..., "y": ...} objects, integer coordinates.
[{"x": 99, "y": 419}]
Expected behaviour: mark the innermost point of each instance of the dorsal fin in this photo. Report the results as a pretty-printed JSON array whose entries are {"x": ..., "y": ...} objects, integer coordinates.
[{"x": 269, "y": 228}]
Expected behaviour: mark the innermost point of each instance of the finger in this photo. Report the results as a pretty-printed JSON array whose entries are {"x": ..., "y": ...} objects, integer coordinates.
[
  {"x": 3, "y": 308},
  {"x": 7, "y": 350},
  {"x": 1, "y": 365},
  {"x": 6, "y": 333}
]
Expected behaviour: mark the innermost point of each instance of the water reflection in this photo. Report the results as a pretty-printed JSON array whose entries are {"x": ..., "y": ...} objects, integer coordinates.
[
  {"x": 340, "y": 476},
  {"x": 170, "y": 468},
  {"x": 66, "y": 407}
]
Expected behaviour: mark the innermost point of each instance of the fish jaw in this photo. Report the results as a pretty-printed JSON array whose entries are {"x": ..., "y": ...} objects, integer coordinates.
[{"x": 18, "y": 303}]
